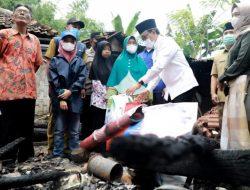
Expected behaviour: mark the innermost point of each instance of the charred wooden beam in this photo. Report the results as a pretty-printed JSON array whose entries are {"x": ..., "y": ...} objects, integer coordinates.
[
  {"x": 41, "y": 125},
  {"x": 1, "y": 166},
  {"x": 27, "y": 180},
  {"x": 187, "y": 158},
  {"x": 5, "y": 149},
  {"x": 40, "y": 134},
  {"x": 42, "y": 143}
]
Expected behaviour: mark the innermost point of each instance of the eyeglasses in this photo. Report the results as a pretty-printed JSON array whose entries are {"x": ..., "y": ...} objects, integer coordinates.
[{"x": 22, "y": 11}]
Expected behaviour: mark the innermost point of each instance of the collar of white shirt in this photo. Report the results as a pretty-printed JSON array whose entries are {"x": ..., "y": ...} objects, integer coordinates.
[{"x": 157, "y": 42}]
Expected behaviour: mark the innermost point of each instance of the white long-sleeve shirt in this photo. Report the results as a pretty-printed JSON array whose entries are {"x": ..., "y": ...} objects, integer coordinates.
[{"x": 170, "y": 65}]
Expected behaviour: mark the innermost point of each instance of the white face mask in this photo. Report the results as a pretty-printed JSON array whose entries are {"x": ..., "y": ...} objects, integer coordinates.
[
  {"x": 149, "y": 43},
  {"x": 67, "y": 46},
  {"x": 235, "y": 22},
  {"x": 131, "y": 48}
]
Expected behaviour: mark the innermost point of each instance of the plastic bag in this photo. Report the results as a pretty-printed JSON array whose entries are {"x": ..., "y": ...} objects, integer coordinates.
[{"x": 117, "y": 108}]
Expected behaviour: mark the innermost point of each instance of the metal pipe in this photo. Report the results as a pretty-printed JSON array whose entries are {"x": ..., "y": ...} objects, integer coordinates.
[{"x": 104, "y": 168}]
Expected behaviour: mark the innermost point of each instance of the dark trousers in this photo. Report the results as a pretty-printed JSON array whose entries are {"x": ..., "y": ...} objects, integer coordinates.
[
  {"x": 98, "y": 116},
  {"x": 188, "y": 96},
  {"x": 158, "y": 98},
  {"x": 17, "y": 120},
  {"x": 86, "y": 118}
]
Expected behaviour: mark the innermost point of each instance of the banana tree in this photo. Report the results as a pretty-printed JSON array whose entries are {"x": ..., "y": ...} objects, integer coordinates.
[{"x": 118, "y": 26}]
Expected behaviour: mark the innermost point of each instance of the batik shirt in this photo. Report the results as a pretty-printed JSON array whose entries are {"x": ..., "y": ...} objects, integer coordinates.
[{"x": 20, "y": 57}]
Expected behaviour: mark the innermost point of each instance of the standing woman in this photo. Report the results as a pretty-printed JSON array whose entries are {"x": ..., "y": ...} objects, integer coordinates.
[
  {"x": 128, "y": 68},
  {"x": 236, "y": 116},
  {"x": 67, "y": 74},
  {"x": 99, "y": 74}
]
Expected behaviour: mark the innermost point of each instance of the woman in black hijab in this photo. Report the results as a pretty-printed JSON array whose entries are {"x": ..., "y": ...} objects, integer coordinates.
[
  {"x": 102, "y": 63},
  {"x": 99, "y": 74}
]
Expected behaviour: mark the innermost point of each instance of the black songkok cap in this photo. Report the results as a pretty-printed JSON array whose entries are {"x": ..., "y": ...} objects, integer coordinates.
[{"x": 145, "y": 25}]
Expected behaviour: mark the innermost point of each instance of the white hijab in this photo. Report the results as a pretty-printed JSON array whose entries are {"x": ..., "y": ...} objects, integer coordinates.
[{"x": 242, "y": 25}]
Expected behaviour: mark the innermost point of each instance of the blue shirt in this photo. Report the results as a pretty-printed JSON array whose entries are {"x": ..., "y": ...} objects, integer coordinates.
[{"x": 147, "y": 57}]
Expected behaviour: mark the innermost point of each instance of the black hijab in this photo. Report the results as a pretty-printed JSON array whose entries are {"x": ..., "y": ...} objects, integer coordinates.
[{"x": 101, "y": 67}]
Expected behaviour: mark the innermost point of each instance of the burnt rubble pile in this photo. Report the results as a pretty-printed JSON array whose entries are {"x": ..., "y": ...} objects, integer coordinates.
[{"x": 42, "y": 172}]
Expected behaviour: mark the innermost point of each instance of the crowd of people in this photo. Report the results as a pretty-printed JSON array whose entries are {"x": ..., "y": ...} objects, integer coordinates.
[{"x": 82, "y": 80}]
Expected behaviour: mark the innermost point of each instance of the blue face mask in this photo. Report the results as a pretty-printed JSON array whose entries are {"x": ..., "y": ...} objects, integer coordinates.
[
  {"x": 229, "y": 39},
  {"x": 76, "y": 32}
]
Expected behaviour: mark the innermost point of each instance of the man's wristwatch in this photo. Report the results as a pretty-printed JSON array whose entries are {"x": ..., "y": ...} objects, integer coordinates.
[{"x": 141, "y": 82}]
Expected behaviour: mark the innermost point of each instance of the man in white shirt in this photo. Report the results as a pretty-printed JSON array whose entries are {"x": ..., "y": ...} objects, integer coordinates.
[{"x": 169, "y": 64}]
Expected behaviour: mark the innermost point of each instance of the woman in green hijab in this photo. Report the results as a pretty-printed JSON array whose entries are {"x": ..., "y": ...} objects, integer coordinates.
[{"x": 127, "y": 69}]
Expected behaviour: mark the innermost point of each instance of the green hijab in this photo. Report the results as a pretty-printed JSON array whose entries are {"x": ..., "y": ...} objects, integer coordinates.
[{"x": 121, "y": 67}]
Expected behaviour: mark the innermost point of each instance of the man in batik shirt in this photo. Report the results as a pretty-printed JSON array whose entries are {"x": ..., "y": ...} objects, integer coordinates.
[{"x": 20, "y": 58}]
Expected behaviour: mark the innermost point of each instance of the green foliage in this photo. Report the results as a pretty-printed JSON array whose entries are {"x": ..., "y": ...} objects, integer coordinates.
[
  {"x": 218, "y": 3},
  {"x": 90, "y": 26},
  {"x": 44, "y": 12},
  {"x": 10, "y": 4},
  {"x": 193, "y": 35},
  {"x": 131, "y": 27},
  {"x": 118, "y": 26},
  {"x": 78, "y": 9}
]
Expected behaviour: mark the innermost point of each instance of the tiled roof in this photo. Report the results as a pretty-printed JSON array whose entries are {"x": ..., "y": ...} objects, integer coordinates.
[{"x": 40, "y": 30}]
